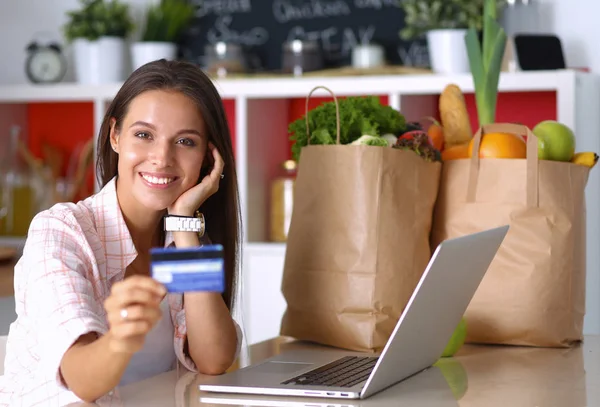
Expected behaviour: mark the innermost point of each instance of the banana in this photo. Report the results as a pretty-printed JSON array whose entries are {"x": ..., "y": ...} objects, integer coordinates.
[{"x": 588, "y": 158}]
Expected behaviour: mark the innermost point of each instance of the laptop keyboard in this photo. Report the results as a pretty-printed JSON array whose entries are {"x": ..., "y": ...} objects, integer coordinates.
[{"x": 345, "y": 372}]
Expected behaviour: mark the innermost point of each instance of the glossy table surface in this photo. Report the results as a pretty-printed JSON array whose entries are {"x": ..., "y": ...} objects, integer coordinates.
[{"x": 477, "y": 376}]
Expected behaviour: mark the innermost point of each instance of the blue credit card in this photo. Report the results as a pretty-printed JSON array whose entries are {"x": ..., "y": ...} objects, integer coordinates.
[{"x": 189, "y": 269}]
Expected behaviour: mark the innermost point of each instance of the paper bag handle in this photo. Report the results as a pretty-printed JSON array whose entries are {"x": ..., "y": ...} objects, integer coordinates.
[
  {"x": 532, "y": 159},
  {"x": 337, "y": 113}
]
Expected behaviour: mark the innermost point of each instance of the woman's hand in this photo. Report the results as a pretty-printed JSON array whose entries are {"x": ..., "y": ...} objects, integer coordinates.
[
  {"x": 191, "y": 200},
  {"x": 133, "y": 308}
]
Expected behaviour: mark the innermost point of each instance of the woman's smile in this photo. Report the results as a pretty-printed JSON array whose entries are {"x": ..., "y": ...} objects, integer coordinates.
[{"x": 158, "y": 180}]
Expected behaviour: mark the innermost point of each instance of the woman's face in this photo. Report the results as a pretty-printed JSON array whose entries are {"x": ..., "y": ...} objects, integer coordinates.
[{"x": 161, "y": 147}]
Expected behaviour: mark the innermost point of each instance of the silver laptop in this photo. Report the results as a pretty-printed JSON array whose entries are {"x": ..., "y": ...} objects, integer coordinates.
[
  {"x": 435, "y": 386},
  {"x": 423, "y": 330}
]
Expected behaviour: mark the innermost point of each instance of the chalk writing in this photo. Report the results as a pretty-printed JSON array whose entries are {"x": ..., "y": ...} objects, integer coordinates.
[
  {"x": 262, "y": 26},
  {"x": 335, "y": 42},
  {"x": 285, "y": 11},
  {"x": 376, "y": 4},
  {"x": 416, "y": 55},
  {"x": 221, "y": 7},
  {"x": 222, "y": 31}
]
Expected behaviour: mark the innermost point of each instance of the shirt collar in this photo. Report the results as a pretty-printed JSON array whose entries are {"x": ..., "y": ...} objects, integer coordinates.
[{"x": 113, "y": 232}]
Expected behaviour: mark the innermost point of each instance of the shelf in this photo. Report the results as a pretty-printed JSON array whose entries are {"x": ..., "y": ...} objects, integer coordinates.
[
  {"x": 61, "y": 92},
  {"x": 12, "y": 241},
  {"x": 422, "y": 84},
  {"x": 265, "y": 247},
  {"x": 259, "y": 88}
]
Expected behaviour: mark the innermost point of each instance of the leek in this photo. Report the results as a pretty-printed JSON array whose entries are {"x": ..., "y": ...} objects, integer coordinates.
[{"x": 486, "y": 62}]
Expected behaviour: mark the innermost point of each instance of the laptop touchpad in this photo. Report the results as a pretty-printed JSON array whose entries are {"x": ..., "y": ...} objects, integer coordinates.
[{"x": 280, "y": 367}]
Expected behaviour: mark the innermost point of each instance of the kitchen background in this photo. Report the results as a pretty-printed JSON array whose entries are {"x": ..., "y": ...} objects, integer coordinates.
[
  {"x": 574, "y": 21},
  {"x": 21, "y": 21}
]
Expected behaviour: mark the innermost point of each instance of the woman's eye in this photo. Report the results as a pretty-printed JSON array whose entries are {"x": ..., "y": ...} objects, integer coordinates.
[
  {"x": 142, "y": 135},
  {"x": 186, "y": 142}
]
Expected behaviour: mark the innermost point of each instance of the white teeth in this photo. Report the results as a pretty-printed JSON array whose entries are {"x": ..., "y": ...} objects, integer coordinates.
[{"x": 158, "y": 181}]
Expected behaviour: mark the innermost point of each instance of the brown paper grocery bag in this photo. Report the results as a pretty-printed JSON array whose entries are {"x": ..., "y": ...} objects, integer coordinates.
[
  {"x": 358, "y": 242},
  {"x": 534, "y": 291}
]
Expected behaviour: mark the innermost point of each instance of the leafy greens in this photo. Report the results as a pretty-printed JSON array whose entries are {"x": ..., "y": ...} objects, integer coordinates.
[{"x": 358, "y": 116}]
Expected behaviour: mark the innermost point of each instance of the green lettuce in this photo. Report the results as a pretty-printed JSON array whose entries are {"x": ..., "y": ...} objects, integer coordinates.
[
  {"x": 370, "y": 141},
  {"x": 358, "y": 116}
]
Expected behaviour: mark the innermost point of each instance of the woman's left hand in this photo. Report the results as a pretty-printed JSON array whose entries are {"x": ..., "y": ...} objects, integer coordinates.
[{"x": 191, "y": 199}]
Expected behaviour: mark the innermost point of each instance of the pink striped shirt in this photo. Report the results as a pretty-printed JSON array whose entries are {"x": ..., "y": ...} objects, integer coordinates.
[{"x": 72, "y": 256}]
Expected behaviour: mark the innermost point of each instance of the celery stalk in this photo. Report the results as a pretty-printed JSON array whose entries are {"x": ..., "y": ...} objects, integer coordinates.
[{"x": 486, "y": 63}]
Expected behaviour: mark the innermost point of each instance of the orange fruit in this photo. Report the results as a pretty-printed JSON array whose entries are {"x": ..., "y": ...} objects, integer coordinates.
[
  {"x": 500, "y": 145},
  {"x": 456, "y": 152},
  {"x": 436, "y": 135}
]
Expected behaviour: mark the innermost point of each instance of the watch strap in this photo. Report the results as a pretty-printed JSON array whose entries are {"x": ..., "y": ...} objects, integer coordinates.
[{"x": 176, "y": 223}]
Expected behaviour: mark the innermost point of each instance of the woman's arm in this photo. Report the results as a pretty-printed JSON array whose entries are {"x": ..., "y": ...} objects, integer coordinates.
[
  {"x": 94, "y": 366},
  {"x": 211, "y": 333},
  {"x": 90, "y": 369}
]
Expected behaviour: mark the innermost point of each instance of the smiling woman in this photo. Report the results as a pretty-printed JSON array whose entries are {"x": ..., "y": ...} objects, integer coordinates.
[
  {"x": 88, "y": 313},
  {"x": 161, "y": 144}
]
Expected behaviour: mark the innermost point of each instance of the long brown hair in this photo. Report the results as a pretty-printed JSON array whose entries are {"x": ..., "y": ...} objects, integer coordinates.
[{"x": 221, "y": 210}]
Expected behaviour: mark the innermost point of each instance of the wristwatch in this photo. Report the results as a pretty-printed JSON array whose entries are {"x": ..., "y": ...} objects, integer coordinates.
[{"x": 176, "y": 223}]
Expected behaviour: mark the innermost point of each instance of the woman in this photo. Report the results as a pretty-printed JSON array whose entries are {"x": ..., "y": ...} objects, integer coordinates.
[{"x": 89, "y": 314}]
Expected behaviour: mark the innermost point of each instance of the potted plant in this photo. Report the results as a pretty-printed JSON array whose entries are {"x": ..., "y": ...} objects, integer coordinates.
[
  {"x": 444, "y": 23},
  {"x": 98, "y": 31},
  {"x": 165, "y": 23}
]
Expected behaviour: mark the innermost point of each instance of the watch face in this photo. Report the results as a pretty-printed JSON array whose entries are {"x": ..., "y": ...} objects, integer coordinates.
[{"x": 45, "y": 65}]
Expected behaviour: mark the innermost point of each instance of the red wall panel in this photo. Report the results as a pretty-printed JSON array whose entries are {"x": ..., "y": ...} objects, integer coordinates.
[
  {"x": 66, "y": 126},
  {"x": 528, "y": 108},
  {"x": 63, "y": 125}
]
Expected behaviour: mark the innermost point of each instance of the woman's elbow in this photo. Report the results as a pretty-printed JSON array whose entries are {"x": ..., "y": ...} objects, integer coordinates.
[
  {"x": 212, "y": 370},
  {"x": 213, "y": 367},
  {"x": 86, "y": 397}
]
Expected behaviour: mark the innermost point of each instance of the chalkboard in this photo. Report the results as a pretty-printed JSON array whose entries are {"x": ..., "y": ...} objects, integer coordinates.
[{"x": 263, "y": 26}]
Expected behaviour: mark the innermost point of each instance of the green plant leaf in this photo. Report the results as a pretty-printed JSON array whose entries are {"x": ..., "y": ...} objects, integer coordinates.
[
  {"x": 167, "y": 21},
  {"x": 475, "y": 57},
  {"x": 477, "y": 70},
  {"x": 498, "y": 48},
  {"x": 424, "y": 15},
  {"x": 97, "y": 18}
]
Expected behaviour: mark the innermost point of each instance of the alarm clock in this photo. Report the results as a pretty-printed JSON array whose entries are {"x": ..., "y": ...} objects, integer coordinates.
[{"x": 45, "y": 63}]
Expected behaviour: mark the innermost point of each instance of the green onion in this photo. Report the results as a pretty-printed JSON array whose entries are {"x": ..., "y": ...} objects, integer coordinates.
[{"x": 486, "y": 65}]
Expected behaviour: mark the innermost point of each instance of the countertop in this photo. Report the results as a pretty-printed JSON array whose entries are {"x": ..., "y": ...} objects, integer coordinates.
[{"x": 477, "y": 376}]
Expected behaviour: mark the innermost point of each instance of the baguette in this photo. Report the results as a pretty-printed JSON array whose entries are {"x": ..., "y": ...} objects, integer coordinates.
[{"x": 454, "y": 117}]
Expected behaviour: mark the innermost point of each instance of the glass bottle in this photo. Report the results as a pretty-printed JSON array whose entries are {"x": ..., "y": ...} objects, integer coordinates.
[
  {"x": 16, "y": 193},
  {"x": 282, "y": 199}
]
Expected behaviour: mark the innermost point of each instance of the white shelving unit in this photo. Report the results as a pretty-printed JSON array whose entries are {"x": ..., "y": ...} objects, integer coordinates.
[{"x": 261, "y": 122}]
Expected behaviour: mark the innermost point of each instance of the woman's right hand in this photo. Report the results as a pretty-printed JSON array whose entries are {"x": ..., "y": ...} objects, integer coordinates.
[{"x": 133, "y": 308}]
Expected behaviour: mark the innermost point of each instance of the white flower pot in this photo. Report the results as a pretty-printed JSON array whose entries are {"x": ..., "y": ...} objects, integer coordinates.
[
  {"x": 100, "y": 61},
  {"x": 144, "y": 52},
  {"x": 448, "y": 51}
]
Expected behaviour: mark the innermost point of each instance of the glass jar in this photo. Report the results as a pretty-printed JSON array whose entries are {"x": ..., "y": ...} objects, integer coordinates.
[
  {"x": 282, "y": 200},
  {"x": 222, "y": 59},
  {"x": 301, "y": 56},
  {"x": 17, "y": 196}
]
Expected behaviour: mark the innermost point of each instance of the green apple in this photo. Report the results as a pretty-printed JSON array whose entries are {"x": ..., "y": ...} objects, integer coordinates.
[
  {"x": 457, "y": 340},
  {"x": 556, "y": 141},
  {"x": 455, "y": 374}
]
